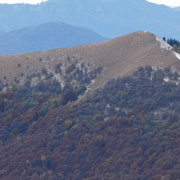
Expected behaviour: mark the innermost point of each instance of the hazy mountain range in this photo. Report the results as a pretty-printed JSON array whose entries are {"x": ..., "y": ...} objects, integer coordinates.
[
  {"x": 109, "y": 18},
  {"x": 45, "y": 37}
]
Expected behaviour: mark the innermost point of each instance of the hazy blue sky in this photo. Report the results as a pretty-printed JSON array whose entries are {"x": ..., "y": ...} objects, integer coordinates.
[
  {"x": 22, "y": 1},
  {"x": 166, "y": 2}
]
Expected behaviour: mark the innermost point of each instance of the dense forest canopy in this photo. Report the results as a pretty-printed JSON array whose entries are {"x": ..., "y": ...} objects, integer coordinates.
[{"x": 130, "y": 129}]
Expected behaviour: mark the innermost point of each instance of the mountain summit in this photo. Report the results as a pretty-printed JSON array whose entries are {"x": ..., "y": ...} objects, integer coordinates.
[
  {"x": 117, "y": 57},
  {"x": 46, "y": 36}
]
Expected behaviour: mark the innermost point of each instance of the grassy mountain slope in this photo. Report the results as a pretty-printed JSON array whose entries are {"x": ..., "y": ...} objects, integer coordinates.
[{"x": 117, "y": 57}]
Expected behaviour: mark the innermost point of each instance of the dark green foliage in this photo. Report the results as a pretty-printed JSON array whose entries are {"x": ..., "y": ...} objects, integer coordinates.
[
  {"x": 58, "y": 68},
  {"x": 68, "y": 95},
  {"x": 174, "y": 43}
]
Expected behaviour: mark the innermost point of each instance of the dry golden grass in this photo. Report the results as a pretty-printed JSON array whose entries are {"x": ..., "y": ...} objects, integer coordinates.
[{"x": 118, "y": 57}]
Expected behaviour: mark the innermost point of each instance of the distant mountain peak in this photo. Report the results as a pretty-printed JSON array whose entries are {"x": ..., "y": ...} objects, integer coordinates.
[
  {"x": 108, "y": 18},
  {"x": 51, "y": 35}
]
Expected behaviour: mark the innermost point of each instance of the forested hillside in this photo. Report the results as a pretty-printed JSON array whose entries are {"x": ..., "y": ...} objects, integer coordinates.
[
  {"x": 130, "y": 129},
  {"x": 77, "y": 106}
]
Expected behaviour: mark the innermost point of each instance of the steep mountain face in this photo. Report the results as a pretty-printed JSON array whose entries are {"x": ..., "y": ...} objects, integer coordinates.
[
  {"x": 45, "y": 37},
  {"x": 110, "y": 18},
  {"x": 114, "y": 58}
]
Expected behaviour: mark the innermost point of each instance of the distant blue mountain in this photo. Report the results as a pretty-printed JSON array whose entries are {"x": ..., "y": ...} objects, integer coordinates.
[
  {"x": 107, "y": 17},
  {"x": 45, "y": 37}
]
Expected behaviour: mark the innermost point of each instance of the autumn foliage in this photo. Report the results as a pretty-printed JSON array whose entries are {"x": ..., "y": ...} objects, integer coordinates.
[{"x": 129, "y": 130}]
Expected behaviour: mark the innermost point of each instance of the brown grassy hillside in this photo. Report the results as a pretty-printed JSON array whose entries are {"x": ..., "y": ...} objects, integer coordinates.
[{"x": 118, "y": 57}]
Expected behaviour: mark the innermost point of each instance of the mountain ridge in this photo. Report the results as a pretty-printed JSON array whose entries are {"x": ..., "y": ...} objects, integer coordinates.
[
  {"x": 45, "y": 37},
  {"x": 117, "y": 57},
  {"x": 108, "y": 18}
]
